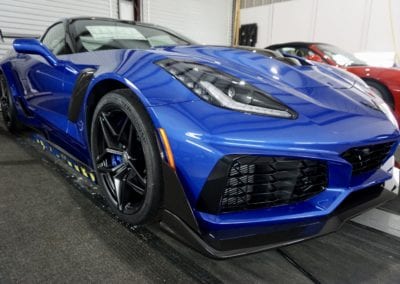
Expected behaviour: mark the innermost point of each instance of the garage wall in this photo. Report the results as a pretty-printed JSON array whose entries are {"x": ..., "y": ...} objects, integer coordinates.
[
  {"x": 204, "y": 21},
  {"x": 357, "y": 25},
  {"x": 33, "y": 17}
]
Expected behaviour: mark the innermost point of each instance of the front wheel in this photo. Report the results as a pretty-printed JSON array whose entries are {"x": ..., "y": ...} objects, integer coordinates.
[{"x": 125, "y": 157}]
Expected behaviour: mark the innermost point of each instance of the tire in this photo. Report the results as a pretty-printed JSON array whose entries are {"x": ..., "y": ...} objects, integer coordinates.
[
  {"x": 8, "y": 110},
  {"x": 382, "y": 92},
  {"x": 126, "y": 158}
]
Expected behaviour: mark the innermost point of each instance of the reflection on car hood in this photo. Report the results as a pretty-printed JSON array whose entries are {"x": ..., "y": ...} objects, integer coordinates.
[
  {"x": 307, "y": 88},
  {"x": 258, "y": 63}
]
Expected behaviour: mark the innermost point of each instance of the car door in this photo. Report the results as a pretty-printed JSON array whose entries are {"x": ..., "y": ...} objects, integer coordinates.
[{"x": 43, "y": 83}]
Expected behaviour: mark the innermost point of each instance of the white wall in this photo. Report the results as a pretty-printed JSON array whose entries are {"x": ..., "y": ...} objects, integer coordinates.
[
  {"x": 356, "y": 25},
  {"x": 205, "y": 21}
]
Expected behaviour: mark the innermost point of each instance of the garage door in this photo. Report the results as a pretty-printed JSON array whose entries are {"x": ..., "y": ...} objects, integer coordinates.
[
  {"x": 27, "y": 17},
  {"x": 205, "y": 21}
]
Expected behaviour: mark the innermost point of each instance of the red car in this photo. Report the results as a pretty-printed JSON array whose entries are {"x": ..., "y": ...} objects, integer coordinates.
[{"x": 384, "y": 81}]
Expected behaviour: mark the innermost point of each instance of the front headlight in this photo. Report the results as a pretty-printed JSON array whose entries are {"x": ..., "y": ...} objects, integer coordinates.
[{"x": 224, "y": 90}]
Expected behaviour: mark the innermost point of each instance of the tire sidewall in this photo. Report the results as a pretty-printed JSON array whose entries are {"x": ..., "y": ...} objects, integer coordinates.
[{"x": 128, "y": 103}]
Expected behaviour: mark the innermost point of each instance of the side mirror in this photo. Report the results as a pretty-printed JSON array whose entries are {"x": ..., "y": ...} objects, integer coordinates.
[
  {"x": 33, "y": 46},
  {"x": 315, "y": 57}
]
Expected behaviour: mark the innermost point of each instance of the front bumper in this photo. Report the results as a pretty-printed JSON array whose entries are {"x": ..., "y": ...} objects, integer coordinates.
[
  {"x": 179, "y": 220},
  {"x": 280, "y": 234},
  {"x": 201, "y": 136}
]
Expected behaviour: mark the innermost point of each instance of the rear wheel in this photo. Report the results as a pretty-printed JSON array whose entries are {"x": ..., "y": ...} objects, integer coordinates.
[
  {"x": 126, "y": 158},
  {"x": 8, "y": 109},
  {"x": 382, "y": 92}
]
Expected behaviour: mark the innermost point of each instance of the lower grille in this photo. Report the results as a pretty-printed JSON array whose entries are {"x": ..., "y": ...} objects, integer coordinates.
[
  {"x": 271, "y": 181},
  {"x": 367, "y": 158}
]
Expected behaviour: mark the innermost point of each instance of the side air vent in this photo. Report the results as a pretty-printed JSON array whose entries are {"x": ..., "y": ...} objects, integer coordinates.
[
  {"x": 268, "y": 182},
  {"x": 260, "y": 182},
  {"x": 367, "y": 158}
]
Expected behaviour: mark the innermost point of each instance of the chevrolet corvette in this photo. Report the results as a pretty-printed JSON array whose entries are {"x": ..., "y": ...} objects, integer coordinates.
[{"x": 232, "y": 150}]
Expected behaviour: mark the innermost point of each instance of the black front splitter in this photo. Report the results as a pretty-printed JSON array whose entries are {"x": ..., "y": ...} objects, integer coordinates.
[{"x": 281, "y": 235}]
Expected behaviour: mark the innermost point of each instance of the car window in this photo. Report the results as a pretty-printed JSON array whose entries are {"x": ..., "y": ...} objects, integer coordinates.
[
  {"x": 341, "y": 57},
  {"x": 92, "y": 35},
  {"x": 297, "y": 51},
  {"x": 54, "y": 39},
  {"x": 288, "y": 50}
]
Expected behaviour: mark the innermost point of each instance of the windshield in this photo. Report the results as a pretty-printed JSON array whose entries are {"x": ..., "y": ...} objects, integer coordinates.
[
  {"x": 341, "y": 57},
  {"x": 93, "y": 35}
]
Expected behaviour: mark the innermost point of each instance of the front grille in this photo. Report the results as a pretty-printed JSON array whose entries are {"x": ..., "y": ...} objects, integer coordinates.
[
  {"x": 271, "y": 181},
  {"x": 367, "y": 158}
]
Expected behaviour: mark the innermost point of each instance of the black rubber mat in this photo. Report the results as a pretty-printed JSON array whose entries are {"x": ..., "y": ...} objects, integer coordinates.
[
  {"x": 392, "y": 206},
  {"x": 54, "y": 234},
  {"x": 353, "y": 255},
  {"x": 53, "y": 228},
  {"x": 51, "y": 232}
]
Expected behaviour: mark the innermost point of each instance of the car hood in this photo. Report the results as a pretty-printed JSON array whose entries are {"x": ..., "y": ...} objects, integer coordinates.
[
  {"x": 259, "y": 62},
  {"x": 307, "y": 88}
]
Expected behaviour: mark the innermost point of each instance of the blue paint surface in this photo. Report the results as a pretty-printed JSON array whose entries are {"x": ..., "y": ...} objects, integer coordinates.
[{"x": 332, "y": 117}]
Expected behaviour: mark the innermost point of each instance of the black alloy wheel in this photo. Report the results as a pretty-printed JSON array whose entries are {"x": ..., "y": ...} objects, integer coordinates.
[{"x": 125, "y": 157}]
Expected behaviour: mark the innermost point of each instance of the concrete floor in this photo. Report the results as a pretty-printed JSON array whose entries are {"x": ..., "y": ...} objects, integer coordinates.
[{"x": 55, "y": 228}]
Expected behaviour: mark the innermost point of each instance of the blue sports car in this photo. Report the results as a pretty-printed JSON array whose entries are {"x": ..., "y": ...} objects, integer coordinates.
[{"x": 232, "y": 150}]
